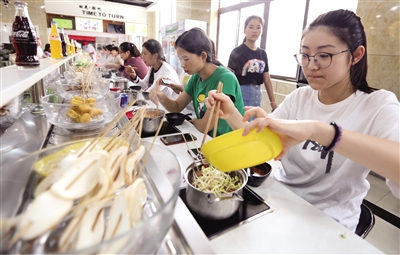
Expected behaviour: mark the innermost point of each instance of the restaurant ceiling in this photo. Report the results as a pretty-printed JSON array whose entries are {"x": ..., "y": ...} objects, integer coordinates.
[{"x": 140, "y": 3}]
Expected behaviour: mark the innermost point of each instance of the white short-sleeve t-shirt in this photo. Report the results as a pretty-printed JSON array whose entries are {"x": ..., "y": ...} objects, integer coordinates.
[{"x": 331, "y": 182}]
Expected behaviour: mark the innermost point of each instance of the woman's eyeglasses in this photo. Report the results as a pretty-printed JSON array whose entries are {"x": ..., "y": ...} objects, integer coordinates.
[{"x": 321, "y": 59}]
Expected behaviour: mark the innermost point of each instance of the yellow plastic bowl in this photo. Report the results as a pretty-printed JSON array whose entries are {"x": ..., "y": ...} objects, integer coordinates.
[{"x": 232, "y": 151}]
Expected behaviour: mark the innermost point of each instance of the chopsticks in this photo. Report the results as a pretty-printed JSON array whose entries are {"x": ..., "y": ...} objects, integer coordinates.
[
  {"x": 218, "y": 103},
  {"x": 187, "y": 145},
  {"x": 157, "y": 85},
  {"x": 198, "y": 152}
]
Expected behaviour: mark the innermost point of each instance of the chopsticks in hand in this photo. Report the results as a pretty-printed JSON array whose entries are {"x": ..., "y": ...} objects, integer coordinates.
[
  {"x": 157, "y": 85},
  {"x": 218, "y": 103}
]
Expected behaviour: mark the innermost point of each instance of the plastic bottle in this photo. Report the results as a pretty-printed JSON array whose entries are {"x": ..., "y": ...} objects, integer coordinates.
[
  {"x": 73, "y": 46},
  {"x": 63, "y": 43},
  {"x": 55, "y": 42},
  {"x": 24, "y": 37},
  {"x": 68, "y": 45}
]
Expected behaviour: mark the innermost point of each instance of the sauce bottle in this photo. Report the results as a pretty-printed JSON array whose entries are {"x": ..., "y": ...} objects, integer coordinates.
[
  {"x": 24, "y": 37},
  {"x": 55, "y": 42},
  {"x": 68, "y": 45},
  {"x": 73, "y": 46},
  {"x": 63, "y": 43}
]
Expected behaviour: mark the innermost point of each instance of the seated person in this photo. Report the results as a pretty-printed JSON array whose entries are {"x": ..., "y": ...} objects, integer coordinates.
[
  {"x": 132, "y": 60},
  {"x": 335, "y": 67},
  {"x": 153, "y": 56},
  {"x": 47, "y": 50},
  {"x": 113, "y": 59},
  {"x": 195, "y": 53}
]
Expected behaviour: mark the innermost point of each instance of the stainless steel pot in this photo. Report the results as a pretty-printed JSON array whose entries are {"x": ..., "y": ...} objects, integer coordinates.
[
  {"x": 209, "y": 206},
  {"x": 150, "y": 125},
  {"x": 121, "y": 83}
]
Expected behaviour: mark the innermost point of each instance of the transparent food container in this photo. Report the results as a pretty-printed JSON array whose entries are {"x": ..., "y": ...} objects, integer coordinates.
[
  {"x": 162, "y": 176},
  {"x": 11, "y": 111},
  {"x": 60, "y": 112}
]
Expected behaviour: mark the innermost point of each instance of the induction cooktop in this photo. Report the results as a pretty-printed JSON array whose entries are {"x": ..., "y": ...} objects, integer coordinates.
[
  {"x": 166, "y": 129},
  {"x": 251, "y": 208}
]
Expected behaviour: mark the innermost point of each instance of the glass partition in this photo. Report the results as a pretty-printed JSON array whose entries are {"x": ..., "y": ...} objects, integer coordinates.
[
  {"x": 244, "y": 14},
  {"x": 318, "y": 7},
  {"x": 285, "y": 21},
  {"x": 226, "y": 3},
  {"x": 284, "y": 31},
  {"x": 227, "y": 35}
]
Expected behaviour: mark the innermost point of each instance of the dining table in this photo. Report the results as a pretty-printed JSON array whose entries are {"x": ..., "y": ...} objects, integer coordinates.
[{"x": 293, "y": 226}]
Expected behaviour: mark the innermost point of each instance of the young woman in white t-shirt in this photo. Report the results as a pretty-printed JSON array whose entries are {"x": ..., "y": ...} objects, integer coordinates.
[
  {"x": 153, "y": 56},
  {"x": 333, "y": 56}
]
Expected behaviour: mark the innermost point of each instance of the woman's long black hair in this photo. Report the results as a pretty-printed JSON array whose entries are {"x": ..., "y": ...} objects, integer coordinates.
[
  {"x": 347, "y": 26},
  {"x": 196, "y": 41},
  {"x": 153, "y": 46},
  {"x": 47, "y": 47},
  {"x": 108, "y": 47},
  {"x": 127, "y": 46}
]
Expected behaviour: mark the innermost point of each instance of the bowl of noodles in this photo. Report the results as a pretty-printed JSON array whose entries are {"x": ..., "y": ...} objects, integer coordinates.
[{"x": 213, "y": 194}]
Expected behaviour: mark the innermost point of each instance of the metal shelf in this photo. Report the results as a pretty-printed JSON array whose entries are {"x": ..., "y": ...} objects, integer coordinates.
[{"x": 15, "y": 81}]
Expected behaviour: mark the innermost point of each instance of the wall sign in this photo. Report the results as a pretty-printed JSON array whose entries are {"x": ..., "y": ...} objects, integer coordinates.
[
  {"x": 85, "y": 24},
  {"x": 98, "y": 10},
  {"x": 135, "y": 29},
  {"x": 94, "y": 11}
]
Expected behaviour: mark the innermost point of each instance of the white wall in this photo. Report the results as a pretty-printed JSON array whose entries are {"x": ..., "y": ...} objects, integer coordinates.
[{"x": 6, "y": 31}]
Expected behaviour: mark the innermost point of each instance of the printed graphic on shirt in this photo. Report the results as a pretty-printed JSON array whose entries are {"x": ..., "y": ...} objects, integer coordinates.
[
  {"x": 186, "y": 78},
  {"x": 253, "y": 66},
  {"x": 200, "y": 109},
  {"x": 314, "y": 146}
]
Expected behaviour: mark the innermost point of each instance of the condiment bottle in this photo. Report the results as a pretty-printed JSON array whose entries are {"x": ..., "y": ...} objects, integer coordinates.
[
  {"x": 63, "y": 43},
  {"x": 67, "y": 45},
  {"x": 73, "y": 46},
  {"x": 55, "y": 42},
  {"x": 24, "y": 37}
]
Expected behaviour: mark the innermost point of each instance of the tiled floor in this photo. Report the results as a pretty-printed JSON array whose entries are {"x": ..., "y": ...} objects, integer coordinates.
[{"x": 384, "y": 235}]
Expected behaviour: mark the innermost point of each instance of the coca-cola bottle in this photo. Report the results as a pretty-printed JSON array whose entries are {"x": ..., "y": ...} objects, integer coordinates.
[{"x": 24, "y": 37}]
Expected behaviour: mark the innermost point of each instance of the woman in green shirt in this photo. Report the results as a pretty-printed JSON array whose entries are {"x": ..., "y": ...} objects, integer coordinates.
[{"x": 196, "y": 57}]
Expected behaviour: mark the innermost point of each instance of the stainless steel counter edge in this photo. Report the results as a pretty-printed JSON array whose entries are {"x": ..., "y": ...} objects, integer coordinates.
[
  {"x": 194, "y": 236},
  {"x": 25, "y": 136}
]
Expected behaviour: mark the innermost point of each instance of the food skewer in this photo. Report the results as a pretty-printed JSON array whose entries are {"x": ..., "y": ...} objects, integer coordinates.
[
  {"x": 123, "y": 132},
  {"x": 148, "y": 153},
  {"x": 91, "y": 192},
  {"x": 107, "y": 129}
]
